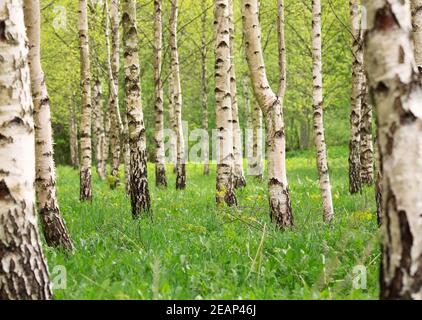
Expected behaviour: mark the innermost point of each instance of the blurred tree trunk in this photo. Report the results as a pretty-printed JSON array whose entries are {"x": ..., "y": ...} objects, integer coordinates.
[
  {"x": 139, "y": 191},
  {"x": 321, "y": 148},
  {"x": 366, "y": 143},
  {"x": 393, "y": 78},
  {"x": 238, "y": 174},
  {"x": 356, "y": 101},
  {"x": 177, "y": 98},
  {"x": 73, "y": 134},
  {"x": 416, "y": 7},
  {"x": 272, "y": 107},
  {"x": 86, "y": 149},
  {"x": 99, "y": 129},
  {"x": 54, "y": 227},
  {"x": 23, "y": 270},
  {"x": 204, "y": 89},
  {"x": 223, "y": 100},
  {"x": 160, "y": 167}
]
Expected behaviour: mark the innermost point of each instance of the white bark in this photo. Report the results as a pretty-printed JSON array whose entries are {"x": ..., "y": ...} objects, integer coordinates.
[
  {"x": 204, "y": 89},
  {"x": 394, "y": 81},
  {"x": 86, "y": 151},
  {"x": 99, "y": 129},
  {"x": 416, "y": 7},
  {"x": 321, "y": 148},
  {"x": 23, "y": 270}
]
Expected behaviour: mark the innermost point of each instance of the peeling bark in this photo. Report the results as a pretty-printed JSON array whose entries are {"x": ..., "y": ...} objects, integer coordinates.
[
  {"x": 23, "y": 270},
  {"x": 223, "y": 103},
  {"x": 272, "y": 108},
  {"x": 160, "y": 168},
  {"x": 177, "y": 98},
  {"x": 319, "y": 132},
  {"x": 395, "y": 85},
  {"x": 86, "y": 151},
  {"x": 54, "y": 227},
  {"x": 139, "y": 191}
]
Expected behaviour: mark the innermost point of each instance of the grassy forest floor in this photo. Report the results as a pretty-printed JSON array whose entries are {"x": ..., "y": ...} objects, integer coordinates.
[{"x": 193, "y": 251}]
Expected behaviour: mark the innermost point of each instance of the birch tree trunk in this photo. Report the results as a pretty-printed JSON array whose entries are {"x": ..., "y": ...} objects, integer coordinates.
[
  {"x": 366, "y": 144},
  {"x": 139, "y": 192},
  {"x": 249, "y": 124},
  {"x": 321, "y": 148},
  {"x": 86, "y": 151},
  {"x": 53, "y": 224},
  {"x": 224, "y": 107},
  {"x": 356, "y": 102},
  {"x": 177, "y": 98},
  {"x": 160, "y": 168},
  {"x": 23, "y": 270},
  {"x": 173, "y": 124},
  {"x": 416, "y": 7},
  {"x": 238, "y": 174},
  {"x": 99, "y": 129},
  {"x": 73, "y": 134},
  {"x": 272, "y": 108},
  {"x": 394, "y": 81},
  {"x": 257, "y": 142},
  {"x": 204, "y": 89},
  {"x": 114, "y": 66},
  {"x": 126, "y": 150}
]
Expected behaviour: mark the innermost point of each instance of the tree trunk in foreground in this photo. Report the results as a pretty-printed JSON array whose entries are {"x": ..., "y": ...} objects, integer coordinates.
[
  {"x": 86, "y": 151},
  {"x": 238, "y": 174},
  {"x": 272, "y": 108},
  {"x": 356, "y": 102},
  {"x": 204, "y": 90},
  {"x": 23, "y": 270},
  {"x": 54, "y": 227},
  {"x": 321, "y": 148},
  {"x": 177, "y": 96},
  {"x": 416, "y": 7},
  {"x": 139, "y": 192},
  {"x": 395, "y": 84},
  {"x": 160, "y": 167},
  {"x": 224, "y": 116}
]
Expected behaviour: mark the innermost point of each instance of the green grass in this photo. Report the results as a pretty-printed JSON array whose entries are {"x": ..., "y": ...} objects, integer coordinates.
[{"x": 192, "y": 251}]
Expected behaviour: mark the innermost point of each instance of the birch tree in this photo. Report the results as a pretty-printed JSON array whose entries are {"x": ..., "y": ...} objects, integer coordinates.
[
  {"x": 73, "y": 134},
  {"x": 416, "y": 7},
  {"x": 366, "y": 144},
  {"x": 177, "y": 97},
  {"x": 394, "y": 81},
  {"x": 23, "y": 270},
  {"x": 99, "y": 129},
  {"x": 86, "y": 151},
  {"x": 239, "y": 176},
  {"x": 356, "y": 102},
  {"x": 204, "y": 88},
  {"x": 321, "y": 148},
  {"x": 271, "y": 105},
  {"x": 53, "y": 224},
  {"x": 223, "y": 104},
  {"x": 139, "y": 192},
  {"x": 160, "y": 168}
]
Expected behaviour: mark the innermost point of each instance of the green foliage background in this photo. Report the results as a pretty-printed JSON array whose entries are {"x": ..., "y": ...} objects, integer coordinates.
[{"x": 60, "y": 59}]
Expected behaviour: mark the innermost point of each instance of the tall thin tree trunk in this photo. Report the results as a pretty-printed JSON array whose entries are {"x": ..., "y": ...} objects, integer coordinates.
[
  {"x": 114, "y": 65},
  {"x": 366, "y": 144},
  {"x": 356, "y": 101},
  {"x": 394, "y": 81},
  {"x": 160, "y": 168},
  {"x": 249, "y": 124},
  {"x": 126, "y": 149},
  {"x": 139, "y": 192},
  {"x": 86, "y": 150},
  {"x": 238, "y": 174},
  {"x": 416, "y": 7},
  {"x": 272, "y": 108},
  {"x": 173, "y": 124},
  {"x": 321, "y": 148},
  {"x": 177, "y": 96},
  {"x": 99, "y": 129},
  {"x": 73, "y": 134},
  {"x": 23, "y": 270},
  {"x": 204, "y": 89},
  {"x": 257, "y": 142},
  {"x": 224, "y": 107},
  {"x": 53, "y": 224}
]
